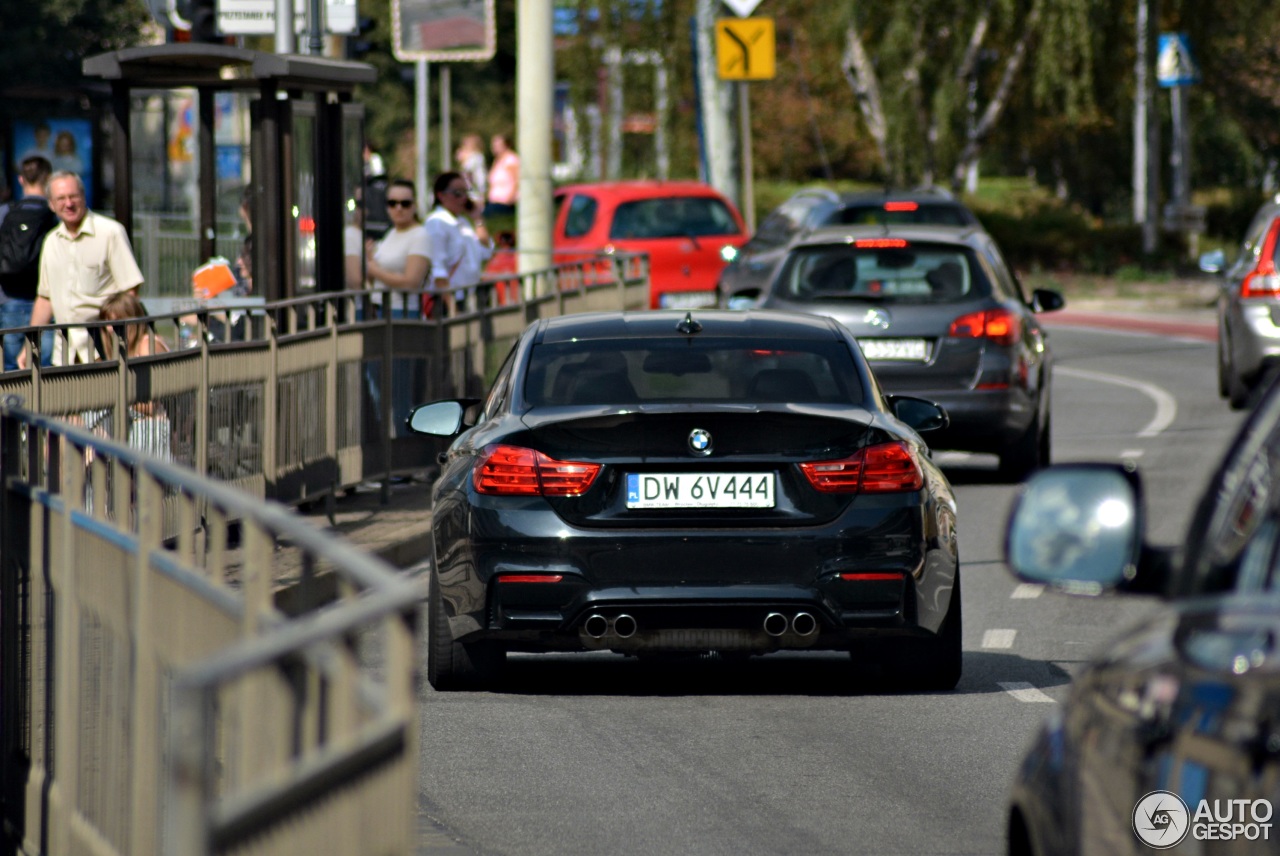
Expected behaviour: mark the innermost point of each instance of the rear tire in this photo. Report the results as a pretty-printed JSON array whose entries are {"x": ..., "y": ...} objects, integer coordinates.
[
  {"x": 1027, "y": 454},
  {"x": 931, "y": 665},
  {"x": 942, "y": 658},
  {"x": 1230, "y": 385},
  {"x": 455, "y": 665}
]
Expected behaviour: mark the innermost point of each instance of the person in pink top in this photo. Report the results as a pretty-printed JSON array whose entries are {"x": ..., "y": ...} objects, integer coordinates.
[{"x": 504, "y": 178}]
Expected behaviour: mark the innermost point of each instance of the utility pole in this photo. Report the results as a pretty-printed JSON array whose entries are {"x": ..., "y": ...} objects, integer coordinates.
[
  {"x": 1146, "y": 132},
  {"x": 715, "y": 106},
  {"x": 421, "y": 116},
  {"x": 284, "y": 27},
  {"x": 535, "y": 87}
]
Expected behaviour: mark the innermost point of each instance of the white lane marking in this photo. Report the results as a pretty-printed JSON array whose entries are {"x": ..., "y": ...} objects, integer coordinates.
[
  {"x": 1166, "y": 404},
  {"x": 1027, "y": 591},
  {"x": 1130, "y": 454},
  {"x": 998, "y": 638},
  {"x": 1023, "y": 691}
]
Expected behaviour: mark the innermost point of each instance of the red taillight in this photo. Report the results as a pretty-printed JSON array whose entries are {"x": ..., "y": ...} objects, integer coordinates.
[
  {"x": 999, "y": 325},
  {"x": 530, "y": 578},
  {"x": 883, "y": 468},
  {"x": 875, "y": 576},
  {"x": 880, "y": 243},
  {"x": 515, "y": 471},
  {"x": 1263, "y": 281},
  {"x": 901, "y": 206}
]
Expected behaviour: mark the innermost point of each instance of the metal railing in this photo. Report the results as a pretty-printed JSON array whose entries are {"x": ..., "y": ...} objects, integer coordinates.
[
  {"x": 155, "y": 700},
  {"x": 300, "y": 399}
]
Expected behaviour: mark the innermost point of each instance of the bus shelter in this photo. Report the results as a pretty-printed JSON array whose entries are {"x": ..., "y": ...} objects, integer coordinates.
[{"x": 212, "y": 144}]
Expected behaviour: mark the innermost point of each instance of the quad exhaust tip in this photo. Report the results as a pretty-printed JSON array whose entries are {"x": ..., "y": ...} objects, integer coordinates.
[
  {"x": 775, "y": 624},
  {"x": 596, "y": 625},
  {"x": 801, "y": 624},
  {"x": 804, "y": 624},
  {"x": 624, "y": 626}
]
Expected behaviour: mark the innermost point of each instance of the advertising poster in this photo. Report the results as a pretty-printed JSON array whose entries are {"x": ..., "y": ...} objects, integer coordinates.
[{"x": 66, "y": 142}]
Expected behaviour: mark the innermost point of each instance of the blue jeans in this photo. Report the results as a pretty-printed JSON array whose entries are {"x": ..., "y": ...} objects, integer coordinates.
[{"x": 17, "y": 313}]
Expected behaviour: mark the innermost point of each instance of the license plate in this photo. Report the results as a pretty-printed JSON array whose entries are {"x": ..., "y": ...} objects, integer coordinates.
[
  {"x": 686, "y": 299},
  {"x": 700, "y": 490},
  {"x": 895, "y": 349}
]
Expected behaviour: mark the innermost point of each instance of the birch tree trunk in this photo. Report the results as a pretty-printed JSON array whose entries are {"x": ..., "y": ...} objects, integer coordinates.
[
  {"x": 995, "y": 107},
  {"x": 861, "y": 75}
]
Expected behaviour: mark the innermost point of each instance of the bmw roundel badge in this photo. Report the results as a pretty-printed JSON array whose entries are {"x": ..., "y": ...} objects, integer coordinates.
[{"x": 700, "y": 441}]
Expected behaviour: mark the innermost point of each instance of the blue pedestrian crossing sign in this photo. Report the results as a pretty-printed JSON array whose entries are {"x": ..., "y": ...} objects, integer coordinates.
[{"x": 1175, "y": 66}]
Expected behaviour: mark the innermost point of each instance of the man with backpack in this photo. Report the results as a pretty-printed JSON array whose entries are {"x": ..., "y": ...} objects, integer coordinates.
[{"x": 23, "y": 227}]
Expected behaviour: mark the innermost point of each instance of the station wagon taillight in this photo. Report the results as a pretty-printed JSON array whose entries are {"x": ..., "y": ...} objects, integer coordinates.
[
  {"x": 999, "y": 325},
  {"x": 1263, "y": 281},
  {"x": 516, "y": 471},
  {"x": 883, "y": 468}
]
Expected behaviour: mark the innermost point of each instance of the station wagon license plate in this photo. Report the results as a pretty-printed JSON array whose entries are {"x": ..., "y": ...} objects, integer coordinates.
[
  {"x": 895, "y": 349},
  {"x": 700, "y": 490}
]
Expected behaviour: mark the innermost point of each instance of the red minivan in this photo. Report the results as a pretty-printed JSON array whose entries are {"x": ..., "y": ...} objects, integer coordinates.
[{"x": 689, "y": 230}]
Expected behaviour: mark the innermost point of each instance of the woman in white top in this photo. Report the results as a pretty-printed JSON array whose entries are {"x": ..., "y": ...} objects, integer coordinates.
[
  {"x": 400, "y": 261},
  {"x": 450, "y": 245}
]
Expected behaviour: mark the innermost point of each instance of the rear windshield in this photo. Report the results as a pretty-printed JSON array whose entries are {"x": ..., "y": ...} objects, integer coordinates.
[
  {"x": 920, "y": 213},
  {"x": 672, "y": 217},
  {"x": 641, "y": 371},
  {"x": 915, "y": 273}
]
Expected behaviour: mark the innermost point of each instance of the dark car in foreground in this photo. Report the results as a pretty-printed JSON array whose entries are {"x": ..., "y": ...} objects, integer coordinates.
[
  {"x": 753, "y": 263},
  {"x": 1172, "y": 734},
  {"x": 664, "y": 482},
  {"x": 1248, "y": 307},
  {"x": 938, "y": 314}
]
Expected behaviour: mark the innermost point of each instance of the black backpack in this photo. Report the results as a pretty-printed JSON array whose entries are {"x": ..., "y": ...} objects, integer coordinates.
[{"x": 21, "y": 236}]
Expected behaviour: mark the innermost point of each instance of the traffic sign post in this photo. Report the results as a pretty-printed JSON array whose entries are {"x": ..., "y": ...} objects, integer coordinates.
[
  {"x": 745, "y": 50},
  {"x": 1176, "y": 69}
]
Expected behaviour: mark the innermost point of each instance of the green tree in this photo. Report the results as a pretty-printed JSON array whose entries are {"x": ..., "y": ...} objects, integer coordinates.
[
  {"x": 45, "y": 42},
  {"x": 934, "y": 78}
]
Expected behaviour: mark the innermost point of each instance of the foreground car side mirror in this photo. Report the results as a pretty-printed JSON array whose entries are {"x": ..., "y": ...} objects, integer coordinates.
[
  {"x": 1047, "y": 300},
  {"x": 1079, "y": 527},
  {"x": 1213, "y": 261},
  {"x": 440, "y": 419},
  {"x": 919, "y": 414}
]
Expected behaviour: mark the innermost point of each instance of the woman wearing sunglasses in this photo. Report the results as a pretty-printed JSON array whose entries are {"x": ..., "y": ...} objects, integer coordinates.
[{"x": 400, "y": 261}]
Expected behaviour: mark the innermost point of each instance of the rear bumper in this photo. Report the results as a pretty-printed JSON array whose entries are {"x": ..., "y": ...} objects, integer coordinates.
[
  {"x": 699, "y": 589},
  {"x": 1255, "y": 340},
  {"x": 982, "y": 420}
]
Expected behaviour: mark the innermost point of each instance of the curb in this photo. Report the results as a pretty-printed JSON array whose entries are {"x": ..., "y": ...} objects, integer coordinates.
[{"x": 1190, "y": 325}]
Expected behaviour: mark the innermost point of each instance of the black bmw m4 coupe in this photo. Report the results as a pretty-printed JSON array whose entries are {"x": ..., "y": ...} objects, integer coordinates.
[{"x": 667, "y": 482}]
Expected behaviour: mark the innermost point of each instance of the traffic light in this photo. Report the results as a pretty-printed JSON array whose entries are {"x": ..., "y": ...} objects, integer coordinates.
[
  {"x": 204, "y": 21},
  {"x": 361, "y": 42}
]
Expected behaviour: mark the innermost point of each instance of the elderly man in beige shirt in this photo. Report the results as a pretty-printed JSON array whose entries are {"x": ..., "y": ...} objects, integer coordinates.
[{"x": 85, "y": 260}]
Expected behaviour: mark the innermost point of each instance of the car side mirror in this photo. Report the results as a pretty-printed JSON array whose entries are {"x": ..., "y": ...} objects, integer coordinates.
[
  {"x": 440, "y": 419},
  {"x": 745, "y": 299},
  {"x": 1078, "y": 527},
  {"x": 919, "y": 414},
  {"x": 1213, "y": 261},
  {"x": 1047, "y": 300}
]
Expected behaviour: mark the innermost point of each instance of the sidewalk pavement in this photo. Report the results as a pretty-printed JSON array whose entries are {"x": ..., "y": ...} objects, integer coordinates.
[{"x": 400, "y": 531}]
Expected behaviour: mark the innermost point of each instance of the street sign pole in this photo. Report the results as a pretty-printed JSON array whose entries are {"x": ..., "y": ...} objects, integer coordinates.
[{"x": 748, "y": 168}]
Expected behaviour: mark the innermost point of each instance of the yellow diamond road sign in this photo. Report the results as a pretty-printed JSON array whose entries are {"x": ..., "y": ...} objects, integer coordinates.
[{"x": 745, "y": 49}]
